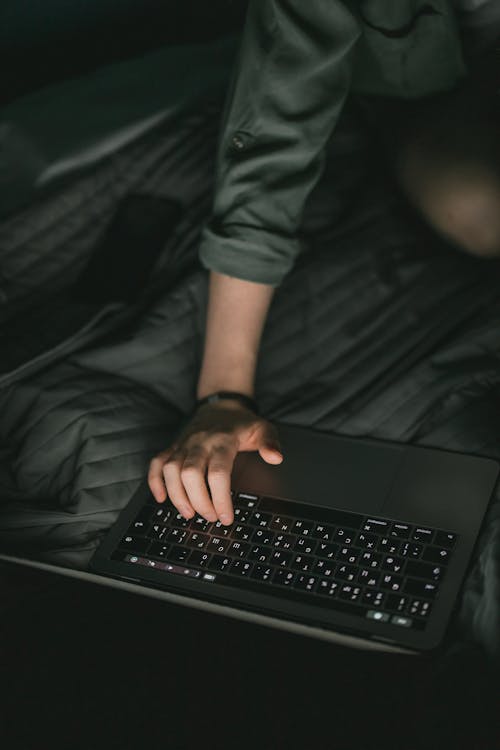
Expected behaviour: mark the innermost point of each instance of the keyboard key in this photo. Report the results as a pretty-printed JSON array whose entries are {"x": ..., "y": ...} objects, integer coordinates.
[
  {"x": 377, "y": 526},
  {"x": 259, "y": 553},
  {"x": 284, "y": 541},
  {"x": 305, "y": 582},
  {"x": 303, "y": 563},
  {"x": 241, "y": 515},
  {"x": 405, "y": 622},
  {"x": 368, "y": 578},
  {"x": 162, "y": 513},
  {"x": 262, "y": 520},
  {"x": 373, "y": 598},
  {"x": 348, "y": 555},
  {"x": 445, "y": 539},
  {"x": 366, "y": 541},
  {"x": 246, "y": 500},
  {"x": 389, "y": 546},
  {"x": 158, "y": 531},
  {"x": 400, "y": 530},
  {"x": 305, "y": 545},
  {"x": 420, "y": 608},
  {"x": 324, "y": 568},
  {"x": 139, "y": 528},
  {"x": 198, "y": 523},
  {"x": 263, "y": 536},
  {"x": 179, "y": 521},
  {"x": 262, "y": 572},
  {"x": 195, "y": 539},
  {"x": 424, "y": 570},
  {"x": 396, "y": 603},
  {"x": 199, "y": 558},
  {"x": 323, "y": 531},
  {"x": 303, "y": 528},
  {"x": 241, "y": 568},
  {"x": 344, "y": 535},
  {"x": 150, "y": 563},
  {"x": 179, "y": 554},
  {"x": 346, "y": 572},
  {"x": 284, "y": 577},
  {"x": 159, "y": 550},
  {"x": 218, "y": 545},
  {"x": 242, "y": 532},
  {"x": 374, "y": 614},
  {"x": 436, "y": 555},
  {"x": 327, "y": 551},
  {"x": 326, "y": 587},
  {"x": 136, "y": 544},
  {"x": 421, "y": 534},
  {"x": 371, "y": 560},
  {"x": 391, "y": 582},
  {"x": 219, "y": 529},
  {"x": 419, "y": 587},
  {"x": 176, "y": 536},
  {"x": 350, "y": 592},
  {"x": 393, "y": 564},
  {"x": 282, "y": 523},
  {"x": 280, "y": 558},
  {"x": 238, "y": 549},
  {"x": 411, "y": 549},
  {"x": 220, "y": 563}
]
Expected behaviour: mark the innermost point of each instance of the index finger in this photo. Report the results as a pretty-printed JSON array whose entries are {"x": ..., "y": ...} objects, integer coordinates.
[{"x": 220, "y": 464}]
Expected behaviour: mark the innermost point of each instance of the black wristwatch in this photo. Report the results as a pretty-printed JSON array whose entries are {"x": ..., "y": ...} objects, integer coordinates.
[{"x": 212, "y": 398}]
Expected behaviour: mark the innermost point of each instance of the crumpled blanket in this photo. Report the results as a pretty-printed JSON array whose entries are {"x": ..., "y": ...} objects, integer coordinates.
[{"x": 380, "y": 330}]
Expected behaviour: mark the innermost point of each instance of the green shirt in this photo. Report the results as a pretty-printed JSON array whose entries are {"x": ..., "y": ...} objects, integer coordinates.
[{"x": 297, "y": 61}]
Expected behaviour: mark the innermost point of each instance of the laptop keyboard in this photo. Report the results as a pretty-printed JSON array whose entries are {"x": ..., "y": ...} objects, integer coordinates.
[{"x": 385, "y": 570}]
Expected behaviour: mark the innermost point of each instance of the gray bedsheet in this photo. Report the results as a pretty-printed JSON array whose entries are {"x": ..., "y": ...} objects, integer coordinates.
[{"x": 380, "y": 330}]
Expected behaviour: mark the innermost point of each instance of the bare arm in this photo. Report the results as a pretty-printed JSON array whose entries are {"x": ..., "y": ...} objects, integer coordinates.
[{"x": 236, "y": 314}]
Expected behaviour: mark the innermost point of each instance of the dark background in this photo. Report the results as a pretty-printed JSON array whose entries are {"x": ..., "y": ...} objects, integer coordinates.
[
  {"x": 88, "y": 667},
  {"x": 44, "y": 41}
]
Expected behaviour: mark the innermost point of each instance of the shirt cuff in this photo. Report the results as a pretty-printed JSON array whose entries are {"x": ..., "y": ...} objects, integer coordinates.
[{"x": 248, "y": 253}]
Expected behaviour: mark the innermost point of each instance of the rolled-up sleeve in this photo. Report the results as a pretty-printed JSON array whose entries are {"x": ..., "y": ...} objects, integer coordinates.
[{"x": 289, "y": 83}]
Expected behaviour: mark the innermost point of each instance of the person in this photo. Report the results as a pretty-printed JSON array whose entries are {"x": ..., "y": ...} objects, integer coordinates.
[{"x": 298, "y": 61}]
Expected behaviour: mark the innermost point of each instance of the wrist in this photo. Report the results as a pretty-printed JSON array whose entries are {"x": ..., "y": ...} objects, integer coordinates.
[{"x": 228, "y": 398}]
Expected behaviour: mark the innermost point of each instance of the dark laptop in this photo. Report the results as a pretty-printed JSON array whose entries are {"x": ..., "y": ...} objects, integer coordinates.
[{"x": 347, "y": 536}]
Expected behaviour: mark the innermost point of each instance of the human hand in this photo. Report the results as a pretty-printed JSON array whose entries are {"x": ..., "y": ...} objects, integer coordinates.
[{"x": 207, "y": 447}]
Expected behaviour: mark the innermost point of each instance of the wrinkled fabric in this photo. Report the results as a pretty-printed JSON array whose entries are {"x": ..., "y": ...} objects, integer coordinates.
[{"x": 380, "y": 330}]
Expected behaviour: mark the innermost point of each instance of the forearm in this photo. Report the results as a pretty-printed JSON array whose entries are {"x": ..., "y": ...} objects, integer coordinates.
[{"x": 236, "y": 314}]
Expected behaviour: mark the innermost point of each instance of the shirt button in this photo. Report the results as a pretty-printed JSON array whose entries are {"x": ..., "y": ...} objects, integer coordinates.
[{"x": 238, "y": 142}]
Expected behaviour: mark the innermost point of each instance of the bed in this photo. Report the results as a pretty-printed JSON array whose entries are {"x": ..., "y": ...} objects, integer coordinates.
[{"x": 380, "y": 330}]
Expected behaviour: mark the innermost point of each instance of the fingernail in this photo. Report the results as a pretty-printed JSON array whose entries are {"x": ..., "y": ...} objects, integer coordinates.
[{"x": 225, "y": 518}]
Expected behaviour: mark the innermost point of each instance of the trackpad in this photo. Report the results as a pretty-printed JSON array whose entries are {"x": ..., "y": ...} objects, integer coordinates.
[{"x": 322, "y": 469}]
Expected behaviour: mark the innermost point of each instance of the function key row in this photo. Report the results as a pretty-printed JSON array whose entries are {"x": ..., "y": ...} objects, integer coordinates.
[{"x": 352, "y": 521}]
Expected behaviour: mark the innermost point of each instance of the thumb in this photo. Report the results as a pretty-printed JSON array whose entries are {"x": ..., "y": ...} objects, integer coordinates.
[{"x": 270, "y": 451}]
